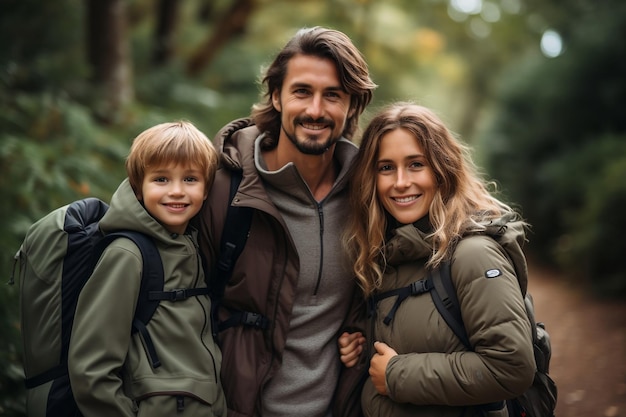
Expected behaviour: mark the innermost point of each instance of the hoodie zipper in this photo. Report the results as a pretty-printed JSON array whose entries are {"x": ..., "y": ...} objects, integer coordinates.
[{"x": 320, "y": 214}]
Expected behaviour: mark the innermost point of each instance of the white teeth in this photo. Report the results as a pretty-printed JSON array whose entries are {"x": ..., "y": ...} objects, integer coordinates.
[
  {"x": 406, "y": 199},
  {"x": 312, "y": 127}
]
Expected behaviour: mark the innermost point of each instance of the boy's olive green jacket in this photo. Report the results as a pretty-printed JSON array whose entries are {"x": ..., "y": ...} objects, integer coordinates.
[{"x": 108, "y": 367}]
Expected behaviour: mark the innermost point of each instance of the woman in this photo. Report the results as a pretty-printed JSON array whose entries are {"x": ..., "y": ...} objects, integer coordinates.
[{"x": 417, "y": 201}]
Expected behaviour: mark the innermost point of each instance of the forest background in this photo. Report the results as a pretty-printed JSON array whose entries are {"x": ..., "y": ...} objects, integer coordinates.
[{"x": 536, "y": 87}]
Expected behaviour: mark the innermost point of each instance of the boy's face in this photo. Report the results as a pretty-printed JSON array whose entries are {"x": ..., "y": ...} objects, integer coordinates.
[{"x": 173, "y": 195}]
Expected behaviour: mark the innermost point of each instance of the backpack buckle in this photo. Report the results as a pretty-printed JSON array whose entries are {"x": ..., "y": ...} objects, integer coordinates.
[
  {"x": 419, "y": 287},
  {"x": 178, "y": 294},
  {"x": 253, "y": 320}
]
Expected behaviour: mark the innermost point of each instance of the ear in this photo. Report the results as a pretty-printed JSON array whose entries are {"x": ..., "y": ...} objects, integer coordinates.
[
  {"x": 351, "y": 112},
  {"x": 276, "y": 101}
]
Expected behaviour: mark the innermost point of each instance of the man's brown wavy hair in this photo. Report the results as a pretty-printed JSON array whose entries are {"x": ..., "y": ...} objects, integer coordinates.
[{"x": 324, "y": 43}]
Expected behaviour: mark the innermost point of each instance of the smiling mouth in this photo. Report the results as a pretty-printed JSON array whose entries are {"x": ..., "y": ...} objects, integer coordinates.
[
  {"x": 313, "y": 126},
  {"x": 179, "y": 205},
  {"x": 405, "y": 199}
]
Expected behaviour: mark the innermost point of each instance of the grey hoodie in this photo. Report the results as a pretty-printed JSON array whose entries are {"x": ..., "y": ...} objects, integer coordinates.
[{"x": 291, "y": 271}]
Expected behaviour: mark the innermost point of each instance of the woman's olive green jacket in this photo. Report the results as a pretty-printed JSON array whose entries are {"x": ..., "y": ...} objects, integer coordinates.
[{"x": 433, "y": 373}]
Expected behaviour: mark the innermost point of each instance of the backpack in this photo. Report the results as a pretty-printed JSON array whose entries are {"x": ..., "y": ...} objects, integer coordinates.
[
  {"x": 56, "y": 258},
  {"x": 539, "y": 400},
  {"x": 234, "y": 236}
]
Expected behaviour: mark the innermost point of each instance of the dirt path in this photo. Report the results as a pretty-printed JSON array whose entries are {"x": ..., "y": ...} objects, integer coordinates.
[{"x": 589, "y": 347}]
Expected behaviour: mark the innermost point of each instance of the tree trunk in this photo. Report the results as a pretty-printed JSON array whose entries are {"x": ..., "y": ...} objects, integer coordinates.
[
  {"x": 229, "y": 26},
  {"x": 108, "y": 51},
  {"x": 166, "y": 24}
]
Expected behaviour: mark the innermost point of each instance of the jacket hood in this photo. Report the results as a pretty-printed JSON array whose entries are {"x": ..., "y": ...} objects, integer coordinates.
[
  {"x": 410, "y": 243},
  {"x": 236, "y": 143},
  {"x": 407, "y": 243},
  {"x": 127, "y": 213},
  {"x": 510, "y": 233},
  {"x": 233, "y": 148}
]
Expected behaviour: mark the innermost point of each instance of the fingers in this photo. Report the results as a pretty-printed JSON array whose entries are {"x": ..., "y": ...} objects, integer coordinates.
[
  {"x": 345, "y": 339},
  {"x": 378, "y": 366},
  {"x": 350, "y": 348},
  {"x": 352, "y": 358},
  {"x": 349, "y": 341},
  {"x": 381, "y": 347}
]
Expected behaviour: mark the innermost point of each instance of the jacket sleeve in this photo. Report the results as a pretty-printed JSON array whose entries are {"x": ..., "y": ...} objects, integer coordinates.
[
  {"x": 502, "y": 364},
  {"x": 347, "y": 399},
  {"x": 101, "y": 332}
]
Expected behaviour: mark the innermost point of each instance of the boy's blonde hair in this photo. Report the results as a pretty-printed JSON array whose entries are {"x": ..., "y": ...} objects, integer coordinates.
[{"x": 170, "y": 143}]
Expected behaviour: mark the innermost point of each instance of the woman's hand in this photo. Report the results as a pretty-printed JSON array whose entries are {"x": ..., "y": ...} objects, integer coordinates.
[
  {"x": 350, "y": 347},
  {"x": 378, "y": 366}
]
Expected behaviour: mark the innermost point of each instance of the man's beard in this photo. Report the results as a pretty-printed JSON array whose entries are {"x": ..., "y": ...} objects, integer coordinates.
[{"x": 312, "y": 146}]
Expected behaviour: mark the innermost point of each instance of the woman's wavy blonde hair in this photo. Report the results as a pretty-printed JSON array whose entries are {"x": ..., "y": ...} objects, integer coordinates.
[{"x": 462, "y": 200}]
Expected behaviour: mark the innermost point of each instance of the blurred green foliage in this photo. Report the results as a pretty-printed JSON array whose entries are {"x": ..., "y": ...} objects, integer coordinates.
[
  {"x": 558, "y": 143},
  {"x": 553, "y": 136}
]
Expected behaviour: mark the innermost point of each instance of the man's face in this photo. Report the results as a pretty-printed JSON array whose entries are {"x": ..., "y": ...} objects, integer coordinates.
[{"x": 312, "y": 103}]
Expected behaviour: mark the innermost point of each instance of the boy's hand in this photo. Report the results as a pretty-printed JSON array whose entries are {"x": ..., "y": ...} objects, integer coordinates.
[
  {"x": 350, "y": 347},
  {"x": 378, "y": 366}
]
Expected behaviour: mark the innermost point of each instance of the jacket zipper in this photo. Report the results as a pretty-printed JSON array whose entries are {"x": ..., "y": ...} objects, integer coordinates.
[
  {"x": 320, "y": 214},
  {"x": 207, "y": 314},
  {"x": 271, "y": 330}
]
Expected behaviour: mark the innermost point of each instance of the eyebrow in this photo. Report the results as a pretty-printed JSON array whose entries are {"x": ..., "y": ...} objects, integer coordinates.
[
  {"x": 306, "y": 85},
  {"x": 408, "y": 157},
  {"x": 189, "y": 170}
]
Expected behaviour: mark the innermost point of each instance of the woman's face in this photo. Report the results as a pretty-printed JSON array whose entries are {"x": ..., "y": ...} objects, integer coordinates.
[{"x": 405, "y": 183}]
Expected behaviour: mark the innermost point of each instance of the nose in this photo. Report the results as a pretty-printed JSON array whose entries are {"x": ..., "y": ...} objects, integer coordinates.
[
  {"x": 316, "y": 107},
  {"x": 403, "y": 179},
  {"x": 176, "y": 188}
]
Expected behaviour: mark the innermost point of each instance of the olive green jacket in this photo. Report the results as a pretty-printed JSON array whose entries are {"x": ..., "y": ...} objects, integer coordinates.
[
  {"x": 433, "y": 373},
  {"x": 108, "y": 367}
]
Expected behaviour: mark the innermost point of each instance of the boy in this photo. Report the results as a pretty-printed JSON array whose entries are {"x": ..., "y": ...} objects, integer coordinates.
[{"x": 170, "y": 169}]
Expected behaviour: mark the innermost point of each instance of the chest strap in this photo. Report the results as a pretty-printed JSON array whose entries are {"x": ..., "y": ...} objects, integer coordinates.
[
  {"x": 178, "y": 294},
  {"x": 244, "y": 318},
  {"x": 415, "y": 288}
]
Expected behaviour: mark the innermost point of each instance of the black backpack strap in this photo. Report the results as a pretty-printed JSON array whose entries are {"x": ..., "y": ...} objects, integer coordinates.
[
  {"x": 178, "y": 294},
  {"x": 47, "y": 376},
  {"x": 415, "y": 288},
  {"x": 446, "y": 301},
  {"x": 234, "y": 236},
  {"x": 439, "y": 283},
  {"x": 152, "y": 280},
  {"x": 447, "y": 304},
  {"x": 244, "y": 318}
]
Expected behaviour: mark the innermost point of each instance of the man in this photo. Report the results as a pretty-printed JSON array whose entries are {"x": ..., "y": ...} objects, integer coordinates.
[{"x": 292, "y": 277}]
